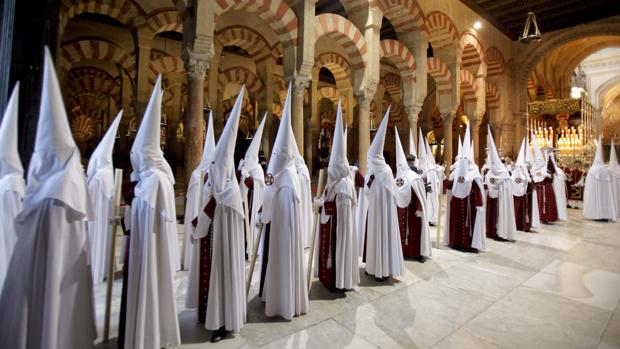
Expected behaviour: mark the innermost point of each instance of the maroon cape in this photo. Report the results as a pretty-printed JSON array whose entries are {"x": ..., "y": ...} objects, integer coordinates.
[
  {"x": 523, "y": 209},
  {"x": 410, "y": 227},
  {"x": 463, "y": 217},
  {"x": 327, "y": 247}
]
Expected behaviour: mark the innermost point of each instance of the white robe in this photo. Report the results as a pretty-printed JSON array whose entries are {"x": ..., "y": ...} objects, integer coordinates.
[
  {"x": 191, "y": 212},
  {"x": 502, "y": 191},
  {"x": 101, "y": 190},
  {"x": 598, "y": 200},
  {"x": 614, "y": 174},
  {"x": 346, "y": 258},
  {"x": 10, "y": 207},
  {"x": 379, "y": 224},
  {"x": 151, "y": 320},
  {"x": 404, "y": 198},
  {"x": 305, "y": 206},
  {"x": 47, "y": 301},
  {"x": 434, "y": 178},
  {"x": 559, "y": 190},
  {"x": 285, "y": 290},
  {"x": 226, "y": 303}
]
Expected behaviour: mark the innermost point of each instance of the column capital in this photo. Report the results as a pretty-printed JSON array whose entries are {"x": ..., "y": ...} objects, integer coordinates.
[
  {"x": 363, "y": 100},
  {"x": 196, "y": 64},
  {"x": 412, "y": 112},
  {"x": 447, "y": 117}
]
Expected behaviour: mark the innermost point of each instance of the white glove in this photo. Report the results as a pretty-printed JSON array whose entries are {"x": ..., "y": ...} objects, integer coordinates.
[
  {"x": 317, "y": 203},
  {"x": 259, "y": 221}
]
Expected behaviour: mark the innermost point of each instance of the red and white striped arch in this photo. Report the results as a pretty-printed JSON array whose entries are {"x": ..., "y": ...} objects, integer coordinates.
[
  {"x": 241, "y": 76},
  {"x": 337, "y": 65},
  {"x": 81, "y": 50},
  {"x": 492, "y": 95},
  {"x": 392, "y": 83},
  {"x": 276, "y": 13},
  {"x": 405, "y": 15},
  {"x": 328, "y": 92},
  {"x": 468, "y": 86},
  {"x": 495, "y": 61},
  {"x": 124, "y": 11},
  {"x": 164, "y": 65},
  {"x": 439, "y": 71},
  {"x": 93, "y": 80},
  {"x": 441, "y": 30},
  {"x": 471, "y": 52},
  {"x": 165, "y": 21},
  {"x": 248, "y": 39},
  {"x": 346, "y": 34},
  {"x": 400, "y": 55}
]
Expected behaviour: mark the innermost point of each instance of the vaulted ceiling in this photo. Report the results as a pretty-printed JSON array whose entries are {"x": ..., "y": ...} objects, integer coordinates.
[{"x": 509, "y": 15}]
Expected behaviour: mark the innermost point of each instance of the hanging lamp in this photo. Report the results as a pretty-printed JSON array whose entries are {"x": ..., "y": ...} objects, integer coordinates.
[{"x": 526, "y": 37}]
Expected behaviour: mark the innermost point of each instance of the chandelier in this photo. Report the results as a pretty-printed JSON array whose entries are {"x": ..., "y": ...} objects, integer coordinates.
[{"x": 526, "y": 37}]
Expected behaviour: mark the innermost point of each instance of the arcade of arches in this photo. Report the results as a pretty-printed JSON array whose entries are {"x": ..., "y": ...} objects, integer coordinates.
[{"x": 424, "y": 58}]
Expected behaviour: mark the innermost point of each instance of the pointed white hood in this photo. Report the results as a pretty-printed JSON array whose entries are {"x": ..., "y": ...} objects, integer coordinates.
[
  {"x": 412, "y": 144},
  {"x": 338, "y": 166},
  {"x": 208, "y": 149},
  {"x": 613, "y": 159},
  {"x": 250, "y": 160},
  {"x": 222, "y": 179},
  {"x": 402, "y": 167},
  {"x": 521, "y": 157},
  {"x": 598, "y": 156},
  {"x": 520, "y": 176},
  {"x": 422, "y": 155},
  {"x": 11, "y": 169},
  {"x": 375, "y": 152},
  {"x": 429, "y": 153},
  {"x": 285, "y": 147},
  {"x": 538, "y": 159},
  {"x": 146, "y": 154},
  {"x": 467, "y": 145},
  {"x": 55, "y": 170},
  {"x": 493, "y": 162},
  {"x": 102, "y": 156}
]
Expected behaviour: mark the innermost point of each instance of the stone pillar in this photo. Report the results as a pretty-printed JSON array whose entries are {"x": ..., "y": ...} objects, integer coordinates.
[
  {"x": 195, "y": 68},
  {"x": 175, "y": 116},
  {"x": 447, "y": 119},
  {"x": 143, "y": 88},
  {"x": 266, "y": 105},
  {"x": 412, "y": 115},
  {"x": 299, "y": 87},
  {"x": 363, "y": 115},
  {"x": 213, "y": 81}
]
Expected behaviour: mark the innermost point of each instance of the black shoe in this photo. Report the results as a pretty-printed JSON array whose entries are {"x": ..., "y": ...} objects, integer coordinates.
[
  {"x": 421, "y": 259},
  {"x": 219, "y": 334}
]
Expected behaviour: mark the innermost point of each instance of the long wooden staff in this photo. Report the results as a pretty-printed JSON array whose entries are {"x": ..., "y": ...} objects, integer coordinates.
[
  {"x": 315, "y": 227},
  {"x": 118, "y": 179},
  {"x": 439, "y": 216},
  {"x": 201, "y": 187},
  {"x": 256, "y": 242}
]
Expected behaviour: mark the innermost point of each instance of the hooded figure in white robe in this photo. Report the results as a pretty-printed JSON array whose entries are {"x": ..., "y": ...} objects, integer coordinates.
[
  {"x": 378, "y": 232},
  {"x": 338, "y": 261},
  {"x": 47, "y": 299},
  {"x": 500, "y": 213},
  {"x": 411, "y": 201},
  {"x": 598, "y": 198},
  {"x": 465, "y": 214},
  {"x": 283, "y": 285},
  {"x": 100, "y": 174},
  {"x": 434, "y": 175},
  {"x": 305, "y": 187},
  {"x": 11, "y": 182},
  {"x": 191, "y": 206},
  {"x": 253, "y": 184},
  {"x": 222, "y": 298},
  {"x": 614, "y": 175},
  {"x": 559, "y": 189},
  {"x": 525, "y": 201},
  {"x": 151, "y": 318}
]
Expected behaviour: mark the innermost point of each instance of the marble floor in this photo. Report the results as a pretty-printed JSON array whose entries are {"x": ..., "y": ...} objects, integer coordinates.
[{"x": 556, "y": 288}]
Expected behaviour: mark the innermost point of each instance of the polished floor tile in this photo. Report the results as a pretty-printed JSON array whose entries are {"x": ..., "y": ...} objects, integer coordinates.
[{"x": 558, "y": 287}]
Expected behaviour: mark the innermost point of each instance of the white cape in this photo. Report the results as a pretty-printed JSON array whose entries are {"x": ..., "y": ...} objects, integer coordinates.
[
  {"x": 51, "y": 253},
  {"x": 614, "y": 174},
  {"x": 10, "y": 207},
  {"x": 379, "y": 223},
  {"x": 559, "y": 190},
  {"x": 598, "y": 200},
  {"x": 434, "y": 177},
  {"x": 100, "y": 188},
  {"x": 285, "y": 290},
  {"x": 502, "y": 190},
  {"x": 305, "y": 206},
  {"x": 151, "y": 306},
  {"x": 258, "y": 195}
]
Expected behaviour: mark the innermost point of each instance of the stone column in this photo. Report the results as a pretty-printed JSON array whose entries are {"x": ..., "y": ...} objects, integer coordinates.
[
  {"x": 143, "y": 89},
  {"x": 447, "y": 119},
  {"x": 474, "y": 128},
  {"x": 412, "y": 115},
  {"x": 195, "y": 67},
  {"x": 266, "y": 106},
  {"x": 212, "y": 79},
  {"x": 363, "y": 115},
  {"x": 299, "y": 86}
]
